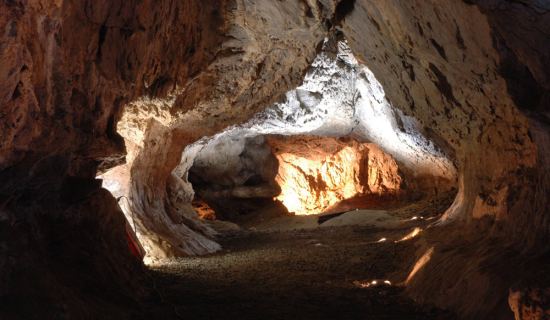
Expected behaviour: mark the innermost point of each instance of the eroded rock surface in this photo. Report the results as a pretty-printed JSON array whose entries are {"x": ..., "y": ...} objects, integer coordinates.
[
  {"x": 66, "y": 70},
  {"x": 256, "y": 62},
  {"x": 338, "y": 97},
  {"x": 440, "y": 64},
  {"x": 530, "y": 304},
  {"x": 317, "y": 173}
]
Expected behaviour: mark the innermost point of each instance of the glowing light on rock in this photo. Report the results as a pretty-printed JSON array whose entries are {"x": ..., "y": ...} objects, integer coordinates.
[
  {"x": 394, "y": 132},
  {"x": 382, "y": 240},
  {"x": 411, "y": 235},
  {"x": 317, "y": 173},
  {"x": 420, "y": 264},
  {"x": 372, "y": 283},
  {"x": 338, "y": 97},
  {"x": 309, "y": 186},
  {"x": 291, "y": 200}
]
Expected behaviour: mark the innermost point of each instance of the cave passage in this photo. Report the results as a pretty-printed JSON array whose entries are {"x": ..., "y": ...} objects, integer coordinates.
[
  {"x": 332, "y": 146},
  {"x": 310, "y": 227},
  {"x": 302, "y": 175},
  {"x": 329, "y": 171},
  {"x": 261, "y": 159},
  {"x": 317, "y": 197}
]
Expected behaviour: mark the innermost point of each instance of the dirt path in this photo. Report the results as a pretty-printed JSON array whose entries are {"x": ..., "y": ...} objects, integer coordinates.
[{"x": 307, "y": 274}]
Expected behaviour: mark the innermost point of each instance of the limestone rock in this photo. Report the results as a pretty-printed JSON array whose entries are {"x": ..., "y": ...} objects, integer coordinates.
[{"x": 316, "y": 173}]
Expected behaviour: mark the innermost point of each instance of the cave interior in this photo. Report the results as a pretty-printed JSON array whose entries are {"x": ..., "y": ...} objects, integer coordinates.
[{"x": 289, "y": 159}]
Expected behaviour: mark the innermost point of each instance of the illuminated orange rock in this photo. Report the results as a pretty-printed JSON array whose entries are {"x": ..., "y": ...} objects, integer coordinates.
[
  {"x": 530, "y": 303},
  {"x": 204, "y": 211},
  {"x": 316, "y": 173}
]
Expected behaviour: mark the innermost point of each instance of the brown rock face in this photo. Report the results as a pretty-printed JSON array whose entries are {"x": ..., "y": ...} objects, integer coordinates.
[
  {"x": 66, "y": 70},
  {"x": 451, "y": 84},
  {"x": 317, "y": 173},
  {"x": 530, "y": 304},
  {"x": 438, "y": 62}
]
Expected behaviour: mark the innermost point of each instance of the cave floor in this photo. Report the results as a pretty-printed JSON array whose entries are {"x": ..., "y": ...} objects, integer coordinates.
[{"x": 293, "y": 274}]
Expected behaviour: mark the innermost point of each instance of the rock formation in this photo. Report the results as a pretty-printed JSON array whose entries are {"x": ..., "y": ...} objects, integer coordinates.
[
  {"x": 448, "y": 75},
  {"x": 317, "y": 173},
  {"x": 66, "y": 70}
]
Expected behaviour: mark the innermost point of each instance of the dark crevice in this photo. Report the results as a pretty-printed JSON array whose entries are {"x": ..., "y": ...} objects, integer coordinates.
[
  {"x": 459, "y": 38},
  {"x": 17, "y": 92},
  {"x": 343, "y": 8},
  {"x": 443, "y": 85},
  {"x": 439, "y": 49},
  {"x": 160, "y": 86},
  {"x": 326, "y": 217},
  {"x": 375, "y": 23},
  {"x": 101, "y": 39},
  {"x": 410, "y": 69},
  {"x": 522, "y": 86}
]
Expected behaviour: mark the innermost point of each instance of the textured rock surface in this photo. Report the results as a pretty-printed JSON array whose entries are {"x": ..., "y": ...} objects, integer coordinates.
[
  {"x": 457, "y": 94},
  {"x": 530, "y": 304},
  {"x": 524, "y": 50},
  {"x": 338, "y": 97},
  {"x": 66, "y": 70},
  {"x": 317, "y": 173},
  {"x": 438, "y": 63}
]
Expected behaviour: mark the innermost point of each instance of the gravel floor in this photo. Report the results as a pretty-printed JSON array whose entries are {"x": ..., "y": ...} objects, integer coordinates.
[{"x": 298, "y": 274}]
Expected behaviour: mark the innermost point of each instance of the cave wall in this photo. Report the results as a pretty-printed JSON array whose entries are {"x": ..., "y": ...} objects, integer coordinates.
[
  {"x": 524, "y": 50},
  {"x": 446, "y": 76},
  {"x": 66, "y": 70},
  {"x": 72, "y": 64},
  {"x": 442, "y": 63}
]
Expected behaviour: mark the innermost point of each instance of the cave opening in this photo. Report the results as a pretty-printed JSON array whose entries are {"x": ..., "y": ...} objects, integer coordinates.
[
  {"x": 276, "y": 175},
  {"x": 333, "y": 147},
  {"x": 316, "y": 153},
  {"x": 326, "y": 164}
]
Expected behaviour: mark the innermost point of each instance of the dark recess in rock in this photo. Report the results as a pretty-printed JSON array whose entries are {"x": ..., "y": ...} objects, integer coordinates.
[
  {"x": 443, "y": 85},
  {"x": 527, "y": 93},
  {"x": 343, "y": 8},
  {"x": 439, "y": 48},
  {"x": 459, "y": 39}
]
